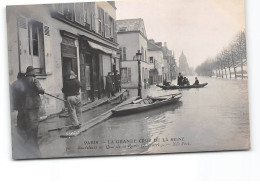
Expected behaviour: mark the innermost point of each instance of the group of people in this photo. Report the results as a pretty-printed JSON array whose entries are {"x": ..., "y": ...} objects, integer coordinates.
[
  {"x": 184, "y": 81},
  {"x": 113, "y": 83},
  {"x": 25, "y": 93}
]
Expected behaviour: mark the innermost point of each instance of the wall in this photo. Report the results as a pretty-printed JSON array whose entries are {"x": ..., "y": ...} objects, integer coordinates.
[
  {"x": 158, "y": 56},
  {"x": 131, "y": 42}
]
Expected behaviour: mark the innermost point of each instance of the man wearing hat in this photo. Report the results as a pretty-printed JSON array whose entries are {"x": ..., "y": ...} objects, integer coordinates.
[
  {"x": 71, "y": 89},
  {"x": 180, "y": 80},
  {"x": 32, "y": 104}
]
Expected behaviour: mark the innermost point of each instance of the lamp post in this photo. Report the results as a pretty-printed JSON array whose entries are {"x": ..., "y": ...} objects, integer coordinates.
[{"x": 138, "y": 56}]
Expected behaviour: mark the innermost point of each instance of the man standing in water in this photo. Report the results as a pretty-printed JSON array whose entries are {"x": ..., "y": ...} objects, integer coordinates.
[
  {"x": 32, "y": 104},
  {"x": 71, "y": 89}
]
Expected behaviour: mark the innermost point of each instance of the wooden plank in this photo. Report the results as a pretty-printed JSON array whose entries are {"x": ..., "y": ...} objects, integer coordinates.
[{"x": 91, "y": 123}]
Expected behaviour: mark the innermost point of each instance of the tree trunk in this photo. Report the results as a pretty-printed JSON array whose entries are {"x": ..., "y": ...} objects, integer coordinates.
[
  {"x": 242, "y": 72},
  {"x": 229, "y": 72},
  {"x": 222, "y": 72},
  {"x": 235, "y": 72},
  {"x": 216, "y": 73},
  {"x": 226, "y": 72}
]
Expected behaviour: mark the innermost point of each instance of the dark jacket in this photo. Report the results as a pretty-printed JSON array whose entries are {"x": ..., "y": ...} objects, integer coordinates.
[
  {"x": 71, "y": 87},
  {"x": 18, "y": 94},
  {"x": 109, "y": 82},
  {"x": 180, "y": 79},
  {"x": 33, "y": 89},
  {"x": 196, "y": 82}
]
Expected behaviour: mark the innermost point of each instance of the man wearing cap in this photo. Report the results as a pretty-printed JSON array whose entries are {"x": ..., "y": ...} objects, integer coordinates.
[
  {"x": 71, "y": 89},
  {"x": 32, "y": 104}
]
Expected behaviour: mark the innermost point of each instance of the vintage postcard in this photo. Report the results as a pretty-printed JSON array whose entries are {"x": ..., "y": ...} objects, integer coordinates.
[{"x": 127, "y": 77}]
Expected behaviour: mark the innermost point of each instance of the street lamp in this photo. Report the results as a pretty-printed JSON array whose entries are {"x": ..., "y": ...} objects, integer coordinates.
[{"x": 139, "y": 58}]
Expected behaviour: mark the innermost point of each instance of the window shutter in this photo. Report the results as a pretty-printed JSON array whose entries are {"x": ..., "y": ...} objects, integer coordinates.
[
  {"x": 106, "y": 24},
  {"x": 46, "y": 31},
  {"x": 102, "y": 22},
  {"x": 128, "y": 74},
  {"x": 114, "y": 31},
  {"x": 93, "y": 16},
  {"x": 23, "y": 43},
  {"x": 124, "y": 53}
]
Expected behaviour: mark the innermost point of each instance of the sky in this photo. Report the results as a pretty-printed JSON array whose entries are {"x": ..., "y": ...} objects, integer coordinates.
[{"x": 199, "y": 28}]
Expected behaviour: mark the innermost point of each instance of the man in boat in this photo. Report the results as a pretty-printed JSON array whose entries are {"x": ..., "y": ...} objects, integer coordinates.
[
  {"x": 196, "y": 81},
  {"x": 109, "y": 85},
  {"x": 180, "y": 80},
  {"x": 18, "y": 95},
  {"x": 71, "y": 89},
  {"x": 32, "y": 103},
  {"x": 186, "y": 81}
]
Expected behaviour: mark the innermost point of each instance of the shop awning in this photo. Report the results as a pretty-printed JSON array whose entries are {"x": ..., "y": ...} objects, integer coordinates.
[{"x": 101, "y": 48}]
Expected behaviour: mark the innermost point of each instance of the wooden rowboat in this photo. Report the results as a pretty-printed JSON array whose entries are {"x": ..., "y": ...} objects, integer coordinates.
[
  {"x": 148, "y": 103},
  {"x": 182, "y": 87}
]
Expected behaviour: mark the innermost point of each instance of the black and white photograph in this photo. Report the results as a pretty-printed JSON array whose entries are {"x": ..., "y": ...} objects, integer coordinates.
[{"x": 131, "y": 77}]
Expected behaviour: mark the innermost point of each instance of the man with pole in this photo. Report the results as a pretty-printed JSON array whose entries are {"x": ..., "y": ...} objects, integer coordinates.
[
  {"x": 32, "y": 104},
  {"x": 71, "y": 89}
]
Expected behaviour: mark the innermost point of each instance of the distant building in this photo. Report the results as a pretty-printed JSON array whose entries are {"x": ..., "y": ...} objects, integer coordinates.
[
  {"x": 183, "y": 65},
  {"x": 155, "y": 54},
  {"x": 171, "y": 66},
  {"x": 57, "y": 38},
  {"x": 131, "y": 38}
]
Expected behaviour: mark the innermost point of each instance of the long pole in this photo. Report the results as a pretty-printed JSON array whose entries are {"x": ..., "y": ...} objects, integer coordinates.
[{"x": 55, "y": 97}]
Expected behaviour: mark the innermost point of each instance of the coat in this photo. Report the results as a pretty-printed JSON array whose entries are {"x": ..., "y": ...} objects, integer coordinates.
[
  {"x": 33, "y": 89},
  {"x": 180, "y": 80}
]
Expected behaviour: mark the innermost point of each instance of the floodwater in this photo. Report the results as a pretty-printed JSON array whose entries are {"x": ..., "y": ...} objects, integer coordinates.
[{"x": 212, "y": 118}]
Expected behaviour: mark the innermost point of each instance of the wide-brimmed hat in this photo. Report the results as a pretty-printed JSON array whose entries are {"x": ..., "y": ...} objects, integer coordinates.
[
  {"x": 30, "y": 70},
  {"x": 72, "y": 75}
]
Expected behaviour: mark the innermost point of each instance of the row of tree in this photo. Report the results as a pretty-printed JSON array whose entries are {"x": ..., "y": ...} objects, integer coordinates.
[{"x": 227, "y": 61}]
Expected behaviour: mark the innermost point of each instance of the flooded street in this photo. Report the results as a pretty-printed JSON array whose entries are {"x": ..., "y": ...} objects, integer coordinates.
[{"x": 206, "y": 119}]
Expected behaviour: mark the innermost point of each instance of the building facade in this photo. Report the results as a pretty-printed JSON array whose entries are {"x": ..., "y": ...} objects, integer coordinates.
[
  {"x": 168, "y": 55},
  {"x": 155, "y": 54},
  {"x": 57, "y": 38},
  {"x": 132, "y": 37}
]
